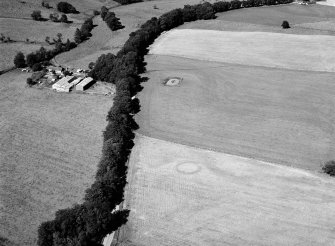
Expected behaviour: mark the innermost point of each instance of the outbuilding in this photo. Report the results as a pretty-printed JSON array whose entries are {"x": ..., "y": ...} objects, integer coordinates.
[{"x": 85, "y": 84}]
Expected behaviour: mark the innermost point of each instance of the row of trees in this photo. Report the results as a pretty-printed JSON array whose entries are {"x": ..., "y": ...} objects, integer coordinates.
[
  {"x": 110, "y": 18},
  {"x": 124, "y": 2},
  {"x": 88, "y": 223},
  {"x": 37, "y": 16},
  {"x": 84, "y": 32}
]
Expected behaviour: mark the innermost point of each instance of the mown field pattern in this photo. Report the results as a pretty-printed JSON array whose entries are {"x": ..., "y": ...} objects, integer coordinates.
[
  {"x": 49, "y": 150},
  {"x": 281, "y": 116},
  {"x": 180, "y": 195},
  {"x": 250, "y": 48}
]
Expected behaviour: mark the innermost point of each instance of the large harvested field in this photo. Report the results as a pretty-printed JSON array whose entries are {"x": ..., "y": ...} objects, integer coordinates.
[
  {"x": 50, "y": 146},
  {"x": 262, "y": 98},
  {"x": 180, "y": 195},
  {"x": 310, "y": 52},
  {"x": 277, "y": 115}
]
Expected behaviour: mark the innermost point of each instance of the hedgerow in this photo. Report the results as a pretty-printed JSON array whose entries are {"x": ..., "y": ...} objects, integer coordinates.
[{"x": 88, "y": 223}]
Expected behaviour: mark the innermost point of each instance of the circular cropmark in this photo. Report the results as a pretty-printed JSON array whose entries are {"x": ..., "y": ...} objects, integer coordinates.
[{"x": 188, "y": 167}]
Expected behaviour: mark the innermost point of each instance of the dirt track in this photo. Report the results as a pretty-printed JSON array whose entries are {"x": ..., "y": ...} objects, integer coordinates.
[
  {"x": 179, "y": 195},
  {"x": 275, "y": 115}
]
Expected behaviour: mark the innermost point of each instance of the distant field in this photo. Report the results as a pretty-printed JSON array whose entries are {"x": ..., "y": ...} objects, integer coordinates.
[
  {"x": 9, "y": 50},
  {"x": 274, "y": 15},
  {"x": 105, "y": 41},
  {"x": 20, "y": 30},
  {"x": 50, "y": 146},
  {"x": 250, "y": 48},
  {"x": 281, "y": 116},
  {"x": 314, "y": 28},
  {"x": 23, "y": 9},
  {"x": 179, "y": 195}
]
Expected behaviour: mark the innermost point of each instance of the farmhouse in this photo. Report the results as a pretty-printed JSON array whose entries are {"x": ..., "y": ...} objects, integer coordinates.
[{"x": 85, "y": 84}]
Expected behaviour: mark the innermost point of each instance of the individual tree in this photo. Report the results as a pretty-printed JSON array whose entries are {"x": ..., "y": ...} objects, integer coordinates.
[
  {"x": 47, "y": 40},
  {"x": 329, "y": 168},
  {"x": 31, "y": 59},
  {"x": 103, "y": 12},
  {"x": 59, "y": 37},
  {"x": 19, "y": 60},
  {"x": 54, "y": 17},
  {"x": 66, "y": 8},
  {"x": 37, "y": 67},
  {"x": 285, "y": 24},
  {"x": 78, "y": 36},
  {"x": 91, "y": 65},
  {"x": 36, "y": 15},
  {"x": 63, "y": 18}
]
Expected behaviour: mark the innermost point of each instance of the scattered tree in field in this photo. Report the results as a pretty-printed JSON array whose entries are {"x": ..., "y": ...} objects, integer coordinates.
[
  {"x": 30, "y": 82},
  {"x": 27, "y": 40},
  {"x": 103, "y": 12},
  {"x": 59, "y": 37},
  {"x": 36, "y": 15},
  {"x": 285, "y": 24},
  {"x": 19, "y": 60},
  {"x": 91, "y": 65},
  {"x": 54, "y": 17},
  {"x": 78, "y": 37},
  {"x": 329, "y": 168},
  {"x": 96, "y": 12},
  {"x": 113, "y": 22},
  {"x": 66, "y": 8},
  {"x": 47, "y": 40},
  {"x": 63, "y": 18},
  {"x": 46, "y": 5}
]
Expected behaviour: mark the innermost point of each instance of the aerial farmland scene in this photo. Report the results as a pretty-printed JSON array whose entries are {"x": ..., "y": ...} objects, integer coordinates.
[{"x": 167, "y": 123}]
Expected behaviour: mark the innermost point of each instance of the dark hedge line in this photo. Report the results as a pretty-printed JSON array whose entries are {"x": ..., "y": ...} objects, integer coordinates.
[
  {"x": 88, "y": 223},
  {"x": 124, "y": 2}
]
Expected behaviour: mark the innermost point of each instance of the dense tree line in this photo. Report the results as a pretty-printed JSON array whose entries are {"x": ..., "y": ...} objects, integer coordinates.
[
  {"x": 110, "y": 18},
  {"x": 124, "y": 2},
  {"x": 88, "y": 223}
]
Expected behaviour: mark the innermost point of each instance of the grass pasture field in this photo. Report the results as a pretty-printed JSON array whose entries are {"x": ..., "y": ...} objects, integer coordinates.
[
  {"x": 20, "y": 30},
  {"x": 50, "y": 146},
  {"x": 179, "y": 195},
  {"x": 310, "y": 52},
  {"x": 9, "y": 50}
]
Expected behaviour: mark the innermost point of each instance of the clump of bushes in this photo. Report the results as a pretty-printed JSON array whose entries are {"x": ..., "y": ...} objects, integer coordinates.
[
  {"x": 66, "y": 8},
  {"x": 84, "y": 32},
  {"x": 285, "y": 24},
  {"x": 329, "y": 168},
  {"x": 36, "y": 15},
  {"x": 110, "y": 18},
  {"x": 46, "y": 5},
  {"x": 19, "y": 60}
]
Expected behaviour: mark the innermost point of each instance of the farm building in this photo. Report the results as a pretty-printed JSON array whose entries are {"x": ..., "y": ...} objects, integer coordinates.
[
  {"x": 64, "y": 84},
  {"x": 85, "y": 84}
]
